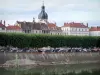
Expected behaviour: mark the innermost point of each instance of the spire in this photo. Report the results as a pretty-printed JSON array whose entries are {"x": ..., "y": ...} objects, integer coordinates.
[
  {"x": 42, "y": 15},
  {"x": 43, "y": 2},
  {"x": 43, "y": 7}
]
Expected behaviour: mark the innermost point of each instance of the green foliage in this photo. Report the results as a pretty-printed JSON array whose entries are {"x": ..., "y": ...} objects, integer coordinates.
[{"x": 22, "y": 40}]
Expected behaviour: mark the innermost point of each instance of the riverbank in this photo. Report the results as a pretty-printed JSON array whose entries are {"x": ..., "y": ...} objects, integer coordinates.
[{"x": 36, "y": 59}]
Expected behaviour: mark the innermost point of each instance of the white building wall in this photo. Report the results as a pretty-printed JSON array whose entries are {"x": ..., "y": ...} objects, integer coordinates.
[
  {"x": 15, "y": 31},
  {"x": 75, "y": 31},
  {"x": 1, "y": 30},
  {"x": 94, "y": 33},
  {"x": 36, "y": 31},
  {"x": 55, "y": 32}
]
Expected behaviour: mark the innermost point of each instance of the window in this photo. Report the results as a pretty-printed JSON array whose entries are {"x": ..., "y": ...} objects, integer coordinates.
[
  {"x": 79, "y": 29},
  {"x": 72, "y": 29},
  {"x": 44, "y": 31},
  {"x": 3, "y": 28},
  {"x": 76, "y": 29},
  {"x": 25, "y": 31},
  {"x": 86, "y": 30},
  {"x": 28, "y": 31}
]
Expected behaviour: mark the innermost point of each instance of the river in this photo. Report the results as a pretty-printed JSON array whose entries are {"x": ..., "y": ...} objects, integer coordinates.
[{"x": 46, "y": 70}]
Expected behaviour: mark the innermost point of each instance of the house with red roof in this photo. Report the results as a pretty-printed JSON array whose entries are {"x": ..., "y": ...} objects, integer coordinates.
[
  {"x": 94, "y": 31},
  {"x": 52, "y": 26},
  {"x": 13, "y": 28},
  {"x": 54, "y": 29},
  {"x": 78, "y": 29}
]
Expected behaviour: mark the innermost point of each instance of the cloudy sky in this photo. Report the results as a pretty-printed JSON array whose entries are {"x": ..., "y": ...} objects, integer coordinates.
[{"x": 59, "y": 11}]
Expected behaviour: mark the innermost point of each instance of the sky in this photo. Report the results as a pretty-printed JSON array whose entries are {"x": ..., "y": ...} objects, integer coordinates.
[{"x": 58, "y": 11}]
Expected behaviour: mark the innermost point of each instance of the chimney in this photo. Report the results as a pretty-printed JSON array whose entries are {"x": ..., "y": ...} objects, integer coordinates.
[
  {"x": 64, "y": 23},
  {"x": 4, "y": 22},
  {"x": 1, "y": 21},
  {"x": 81, "y": 23},
  {"x": 87, "y": 24},
  {"x": 33, "y": 19},
  {"x": 55, "y": 23}
]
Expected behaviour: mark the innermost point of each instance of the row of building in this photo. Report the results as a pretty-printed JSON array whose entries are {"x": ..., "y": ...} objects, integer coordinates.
[
  {"x": 43, "y": 26},
  {"x": 77, "y": 29}
]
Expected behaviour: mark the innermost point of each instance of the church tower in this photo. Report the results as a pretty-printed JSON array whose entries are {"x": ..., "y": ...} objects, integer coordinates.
[{"x": 43, "y": 16}]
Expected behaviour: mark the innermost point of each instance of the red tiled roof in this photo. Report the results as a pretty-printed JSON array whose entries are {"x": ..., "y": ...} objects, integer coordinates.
[
  {"x": 1, "y": 25},
  {"x": 51, "y": 25},
  {"x": 11, "y": 27},
  {"x": 94, "y": 29},
  {"x": 72, "y": 24}
]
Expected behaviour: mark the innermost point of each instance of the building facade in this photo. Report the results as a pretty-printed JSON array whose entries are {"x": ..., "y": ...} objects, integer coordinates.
[
  {"x": 15, "y": 29},
  {"x": 40, "y": 27},
  {"x": 94, "y": 31},
  {"x": 78, "y": 29}
]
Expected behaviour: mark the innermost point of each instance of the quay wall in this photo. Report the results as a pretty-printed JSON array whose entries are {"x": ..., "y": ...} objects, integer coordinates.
[{"x": 50, "y": 57}]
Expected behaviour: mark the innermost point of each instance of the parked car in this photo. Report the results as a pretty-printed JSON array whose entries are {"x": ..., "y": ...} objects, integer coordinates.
[
  {"x": 62, "y": 51},
  {"x": 39, "y": 51},
  {"x": 56, "y": 50},
  {"x": 48, "y": 51}
]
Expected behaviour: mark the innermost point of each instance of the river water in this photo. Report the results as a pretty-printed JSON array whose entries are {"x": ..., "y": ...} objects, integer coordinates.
[{"x": 46, "y": 70}]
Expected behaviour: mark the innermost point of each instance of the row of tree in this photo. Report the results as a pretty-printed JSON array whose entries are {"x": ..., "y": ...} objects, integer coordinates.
[{"x": 22, "y": 40}]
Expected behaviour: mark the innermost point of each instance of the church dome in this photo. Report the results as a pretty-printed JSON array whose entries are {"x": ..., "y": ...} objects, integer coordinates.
[{"x": 43, "y": 15}]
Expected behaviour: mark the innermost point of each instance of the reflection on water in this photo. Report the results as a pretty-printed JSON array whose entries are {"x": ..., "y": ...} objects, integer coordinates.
[{"x": 46, "y": 70}]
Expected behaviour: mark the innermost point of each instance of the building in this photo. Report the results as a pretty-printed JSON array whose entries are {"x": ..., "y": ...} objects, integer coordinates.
[
  {"x": 43, "y": 16},
  {"x": 40, "y": 27},
  {"x": 78, "y": 29},
  {"x": 2, "y": 26},
  {"x": 54, "y": 29},
  {"x": 12, "y": 28},
  {"x": 43, "y": 26},
  {"x": 94, "y": 31}
]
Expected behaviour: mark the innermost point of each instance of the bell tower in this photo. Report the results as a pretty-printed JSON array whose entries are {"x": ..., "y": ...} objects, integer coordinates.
[{"x": 43, "y": 16}]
